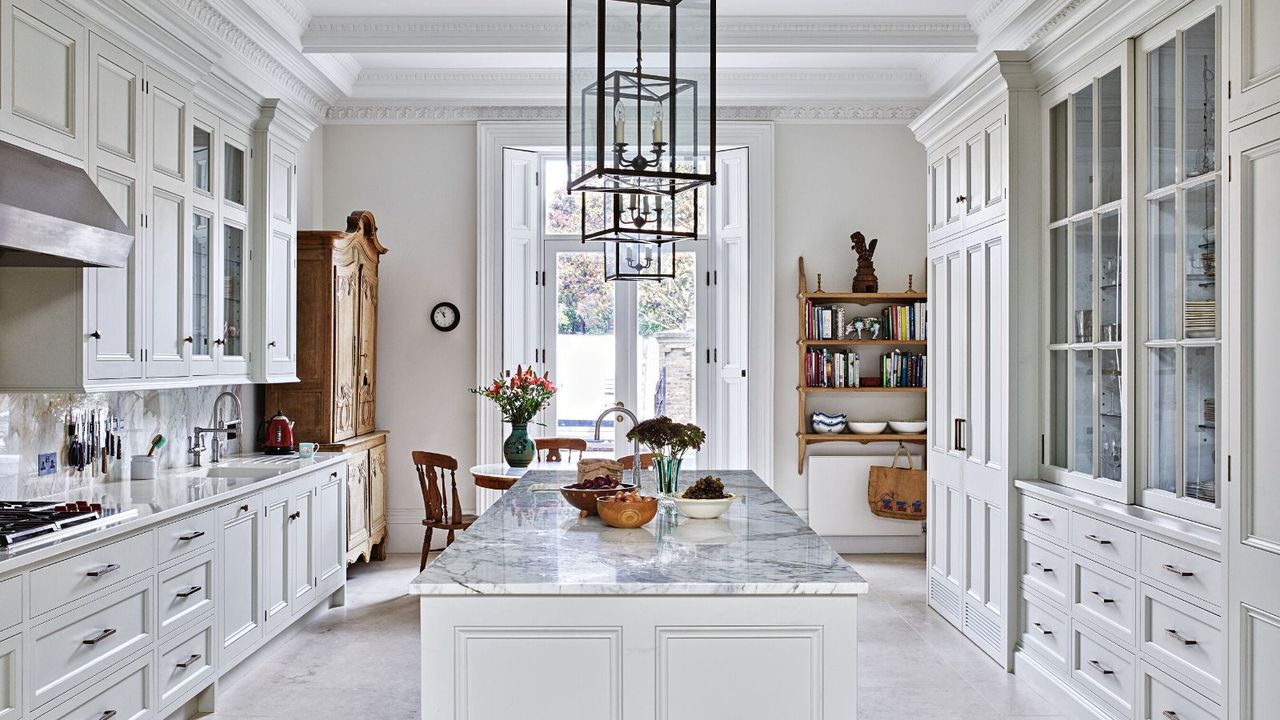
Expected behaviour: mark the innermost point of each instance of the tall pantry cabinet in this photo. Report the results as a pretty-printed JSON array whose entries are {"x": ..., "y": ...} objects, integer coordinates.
[{"x": 335, "y": 402}]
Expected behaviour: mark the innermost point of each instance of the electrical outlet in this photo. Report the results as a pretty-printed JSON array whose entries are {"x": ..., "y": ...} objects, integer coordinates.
[{"x": 48, "y": 463}]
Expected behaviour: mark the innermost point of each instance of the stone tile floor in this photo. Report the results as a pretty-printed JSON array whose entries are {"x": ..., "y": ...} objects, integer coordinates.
[{"x": 362, "y": 660}]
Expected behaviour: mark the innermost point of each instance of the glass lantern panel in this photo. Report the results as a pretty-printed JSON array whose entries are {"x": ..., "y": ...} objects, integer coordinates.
[
  {"x": 1082, "y": 411},
  {"x": 1110, "y": 278},
  {"x": 1060, "y": 321},
  {"x": 1082, "y": 281},
  {"x": 1199, "y": 98},
  {"x": 1200, "y": 314},
  {"x": 1162, "y": 274},
  {"x": 1058, "y": 407},
  {"x": 1199, "y": 422},
  {"x": 1082, "y": 151},
  {"x": 639, "y": 261},
  {"x": 1110, "y": 132},
  {"x": 1110, "y": 414},
  {"x": 1162, "y": 115},
  {"x": 1162, "y": 435}
]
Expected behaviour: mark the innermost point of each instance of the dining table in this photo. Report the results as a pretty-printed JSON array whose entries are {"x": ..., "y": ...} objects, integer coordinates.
[{"x": 494, "y": 479}]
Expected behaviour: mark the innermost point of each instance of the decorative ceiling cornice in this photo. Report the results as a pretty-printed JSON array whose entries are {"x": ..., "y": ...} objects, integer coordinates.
[
  {"x": 401, "y": 113},
  {"x": 1053, "y": 23}
]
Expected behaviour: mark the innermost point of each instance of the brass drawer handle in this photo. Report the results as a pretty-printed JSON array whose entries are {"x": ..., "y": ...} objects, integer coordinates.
[
  {"x": 1041, "y": 629},
  {"x": 190, "y": 661},
  {"x": 191, "y": 536},
  {"x": 1099, "y": 540},
  {"x": 1100, "y": 668},
  {"x": 1038, "y": 516},
  {"x": 1176, "y": 570},
  {"x": 1041, "y": 568},
  {"x": 104, "y": 570},
  {"x": 1101, "y": 597},
  {"x": 99, "y": 637},
  {"x": 1174, "y": 634},
  {"x": 189, "y": 591}
]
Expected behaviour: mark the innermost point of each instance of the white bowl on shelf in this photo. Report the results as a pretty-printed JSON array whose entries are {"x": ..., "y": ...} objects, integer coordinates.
[
  {"x": 825, "y": 424},
  {"x": 867, "y": 428},
  {"x": 908, "y": 427},
  {"x": 824, "y": 429}
]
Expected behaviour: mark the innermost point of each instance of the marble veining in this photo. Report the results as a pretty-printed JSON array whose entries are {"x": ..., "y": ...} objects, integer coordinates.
[{"x": 533, "y": 543}]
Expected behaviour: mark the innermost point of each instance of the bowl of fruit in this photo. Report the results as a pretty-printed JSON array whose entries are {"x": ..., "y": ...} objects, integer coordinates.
[
  {"x": 704, "y": 500},
  {"x": 583, "y": 493},
  {"x": 626, "y": 509}
]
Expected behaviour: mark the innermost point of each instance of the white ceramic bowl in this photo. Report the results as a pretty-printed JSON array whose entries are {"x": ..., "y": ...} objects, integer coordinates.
[
  {"x": 824, "y": 429},
  {"x": 867, "y": 428},
  {"x": 703, "y": 509},
  {"x": 908, "y": 427}
]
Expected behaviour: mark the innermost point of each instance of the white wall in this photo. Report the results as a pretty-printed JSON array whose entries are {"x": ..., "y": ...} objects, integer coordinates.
[
  {"x": 420, "y": 183},
  {"x": 311, "y": 182},
  {"x": 829, "y": 181}
]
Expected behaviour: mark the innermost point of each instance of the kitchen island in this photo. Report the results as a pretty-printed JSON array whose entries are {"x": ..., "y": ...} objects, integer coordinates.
[{"x": 537, "y": 613}]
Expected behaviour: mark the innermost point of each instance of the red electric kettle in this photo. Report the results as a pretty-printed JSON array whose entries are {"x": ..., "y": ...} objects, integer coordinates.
[{"x": 279, "y": 436}]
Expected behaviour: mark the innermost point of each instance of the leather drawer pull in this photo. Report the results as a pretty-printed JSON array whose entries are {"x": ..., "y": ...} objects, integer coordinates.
[
  {"x": 190, "y": 591},
  {"x": 191, "y": 536},
  {"x": 1041, "y": 629},
  {"x": 104, "y": 570},
  {"x": 190, "y": 661},
  {"x": 1101, "y": 597},
  {"x": 1176, "y": 570},
  {"x": 295, "y": 515},
  {"x": 1100, "y": 668},
  {"x": 1170, "y": 715},
  {"x": 244, "y": 508},
  {"x": 1038, "y": 516},
  {"x": 107, "y": 715},
  {"x": 1174, "y": 634},
  {"x": 100, "y": 637},
  {"x": 1041, "y": 568},
  {"x": 1095, "y": 538}
]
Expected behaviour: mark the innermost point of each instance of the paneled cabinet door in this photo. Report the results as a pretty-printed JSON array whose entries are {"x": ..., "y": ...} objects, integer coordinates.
[
  {"x": 240, "y": 548},
  {"x": 331, "y": 536},
  {"x": 981, "y": 197},
  {"x": 366, "y": 360},
  {"x": 277, "y": 555},
  {"x": 113, "y": 296},
  {"x": 303, "y": 536},
  {"x": 358, "y": 501},
  {"x": 233, "y": 294},
  {"x": 1253, "y": 549},
  {"x": 280, "y": 299},
  {"x": 945, "y": 549},
  {"x": 42, "y": 85},
  {"x": 377, "y": 489},
  {"x": 11, "y": 678},
  {"x": 168, "y": 229},
  {"x": 346, "y": 279},
  {"x": 1255, "y": 56}
]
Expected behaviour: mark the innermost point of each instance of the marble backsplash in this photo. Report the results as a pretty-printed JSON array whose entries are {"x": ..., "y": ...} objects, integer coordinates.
[{"x": 34, "y": 423}]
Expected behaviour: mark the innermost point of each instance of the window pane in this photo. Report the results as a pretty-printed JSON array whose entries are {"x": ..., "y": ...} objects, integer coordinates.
[
  {"x": 1082, "y": 152},
  {"x": 1082, "y": 412},
  {"x": 1200, "y": 117},
  {"x": 201, "y": 318},
  {"x": 1162, "y": 253},
  {"x": 1110, "y": 130},
  {"x": 1110, "y": 415},
  {"x": 1058, "y": 162},
  {"x": 201, "y": 143},
  {"x": 1058, "y": 407},
  {"x": 1110, "y": 281},
  {"x": 233, "y": 166},
  {"x": 1201, "y": 313},
  {"x": 1082, "y": 280},
  {"x": 585, "y": 365},
  {"x": 666, "y": 348},
  {"x": 233, "y": 291},
  {"x": 1162, "y": 435},
  {"x": 1161, "y": 114},
  {"x": 1199, "y": 419},
  {"x": 1059, "y": 273}
]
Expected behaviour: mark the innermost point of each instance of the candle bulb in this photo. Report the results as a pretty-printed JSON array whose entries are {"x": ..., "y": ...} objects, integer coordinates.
[
  {"x": 646, "y": 205},
  {"x": 657, "y": 125},
  {"x": 619, "y": 124},
  {"x": 633, "y": 203}
]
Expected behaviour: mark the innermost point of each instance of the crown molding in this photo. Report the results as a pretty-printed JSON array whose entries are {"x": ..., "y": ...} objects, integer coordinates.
[
  {"x": 355, "y": 113},
  {"x": 545, "y": 34}
]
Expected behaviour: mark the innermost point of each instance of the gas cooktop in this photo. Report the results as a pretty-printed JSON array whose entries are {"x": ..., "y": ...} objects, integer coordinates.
[{"x": 27, "y": 523}]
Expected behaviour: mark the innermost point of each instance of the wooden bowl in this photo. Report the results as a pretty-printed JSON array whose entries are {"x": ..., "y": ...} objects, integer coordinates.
[
  {"x": 585, "y": 500},
  {"x": 627, "y": 515}
]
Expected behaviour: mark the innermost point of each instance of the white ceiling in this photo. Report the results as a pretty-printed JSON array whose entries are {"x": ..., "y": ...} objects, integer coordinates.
[{"x": 557, "y": 7}]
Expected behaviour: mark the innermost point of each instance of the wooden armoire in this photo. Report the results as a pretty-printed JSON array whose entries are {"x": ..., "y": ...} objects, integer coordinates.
[{"x": 335, "y": 404}]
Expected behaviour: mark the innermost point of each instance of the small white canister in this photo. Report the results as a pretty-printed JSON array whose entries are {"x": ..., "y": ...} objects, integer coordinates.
[{"x": 143, "y": 467}]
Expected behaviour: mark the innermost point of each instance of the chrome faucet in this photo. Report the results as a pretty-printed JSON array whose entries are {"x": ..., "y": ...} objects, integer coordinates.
[
  {"x": 635, "y": 444},
  {"x": 229, "y": 428}
]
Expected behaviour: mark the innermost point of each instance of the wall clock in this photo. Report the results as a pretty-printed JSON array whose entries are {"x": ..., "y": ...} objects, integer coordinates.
[{"x": 445, "y": 316}]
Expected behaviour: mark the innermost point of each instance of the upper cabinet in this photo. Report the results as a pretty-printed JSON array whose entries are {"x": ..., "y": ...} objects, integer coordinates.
[
  {"x": 1255, "y": 60},
  {"x": 42, "y": 89},
  {"x": 275, "y": 226},
  {"x": 965, "y": 179}
]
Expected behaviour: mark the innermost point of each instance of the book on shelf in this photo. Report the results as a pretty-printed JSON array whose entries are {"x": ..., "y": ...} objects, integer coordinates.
[
  {"x": 897, "y": 322},
  {"x": 827, "y": 368},
  {"x": 906, "y": 322},
  {"x": 899, "y": 369}
]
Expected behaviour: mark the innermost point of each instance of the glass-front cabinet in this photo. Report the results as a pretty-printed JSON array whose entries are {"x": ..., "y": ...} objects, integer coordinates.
[{"x": 1133, "y": 340}]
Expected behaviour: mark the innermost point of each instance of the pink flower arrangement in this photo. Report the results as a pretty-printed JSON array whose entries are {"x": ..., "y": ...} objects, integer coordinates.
[{"x": 521, "y": 396}]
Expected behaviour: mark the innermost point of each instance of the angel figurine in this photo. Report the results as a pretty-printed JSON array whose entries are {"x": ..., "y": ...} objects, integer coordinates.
[{"x": 864, "y": 279}]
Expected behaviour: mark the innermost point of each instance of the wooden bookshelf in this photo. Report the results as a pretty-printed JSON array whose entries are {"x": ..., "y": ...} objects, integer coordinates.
[{"x": 804, "y": 436}]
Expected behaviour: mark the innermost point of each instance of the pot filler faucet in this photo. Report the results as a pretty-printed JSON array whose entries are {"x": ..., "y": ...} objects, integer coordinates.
[
  {"x": 635, "y": 444},
  {"x": 230, "y": 428}
]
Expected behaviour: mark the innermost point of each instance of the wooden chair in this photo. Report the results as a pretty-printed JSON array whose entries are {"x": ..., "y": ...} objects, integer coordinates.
[
  {"x": 646, "y": 461},
  {"x": 444, "y": 512},
  {"x": 553, "y": 445}
]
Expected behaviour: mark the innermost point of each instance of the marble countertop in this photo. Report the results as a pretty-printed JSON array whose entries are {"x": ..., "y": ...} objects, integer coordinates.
[
  {"x": 534, "y": 543},
  {"x": 173, "y": 493}
]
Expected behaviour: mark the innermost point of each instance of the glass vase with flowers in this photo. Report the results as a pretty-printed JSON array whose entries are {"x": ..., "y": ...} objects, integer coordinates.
[
  {"x": 519, "y": 397},
  {"x": 669, "y": 441}
]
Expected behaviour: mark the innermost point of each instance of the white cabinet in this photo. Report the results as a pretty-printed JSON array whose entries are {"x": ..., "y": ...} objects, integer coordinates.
[
  {"x": 11, "y": 678},
  {"x": 965, "y": 178},
  {"x": 277, "y": 555},
  {"x": 240, "y": 550},
  {"x": 231, "y": 256},
  {"x": 1255, "y": 56},
  {"x": 42, "y": 100},
  {"x": 304, "y": 543},
  {"x": 167, "y": 229},
  {"x": 330, "y": 528},
  {"x": 275, "y": 227}
]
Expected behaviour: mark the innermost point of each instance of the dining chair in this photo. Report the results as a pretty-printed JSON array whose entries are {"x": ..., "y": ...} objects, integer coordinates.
[
  {"x": 628, "y": 461},
  {"x": 444, "y": 510},
  {"x": 552, "y": 446}
]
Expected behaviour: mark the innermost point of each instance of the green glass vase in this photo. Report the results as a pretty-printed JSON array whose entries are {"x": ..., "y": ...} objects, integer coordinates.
[
  {"x": 668, "y": 471},
  {"x": 518, "y": 449}
]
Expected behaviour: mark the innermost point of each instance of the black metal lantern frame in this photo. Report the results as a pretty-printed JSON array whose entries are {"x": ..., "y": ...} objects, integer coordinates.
[
  {"x": 640, "y": 217},
  {"x": 649, "y": 128},
  {"x": 635, "y": 260}
]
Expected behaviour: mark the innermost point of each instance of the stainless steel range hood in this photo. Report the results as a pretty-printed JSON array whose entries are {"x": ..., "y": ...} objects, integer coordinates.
[{"x": 52, "y": 215}]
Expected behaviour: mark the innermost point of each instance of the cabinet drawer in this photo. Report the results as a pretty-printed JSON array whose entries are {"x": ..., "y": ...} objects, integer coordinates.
[
  {"x": 1103, "y": 540},
  {"x": 1105, "y": 670},
  {"x": 1105, "y": 598},
  {"x": 1198, "y": 576},
  {"x": 10, "y": 602},
  {"x": 88, "y": 572},
  {"x": 76, "y": 646},
  {"x": 11, "y": 678},
  {"x": 1166, "y": 700},
  {"x": 187, "y": 535},
  {"x": 1185, "y": 638},
  {"x": 1044, "y": 632},
  {"x": 1045, "y": 517},
  {"x": 1045, "y": 568},
  {"x": 186, "y": 592},
  {"x": 185, "y": 664},
  {"x": 126, "y": 695}
]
